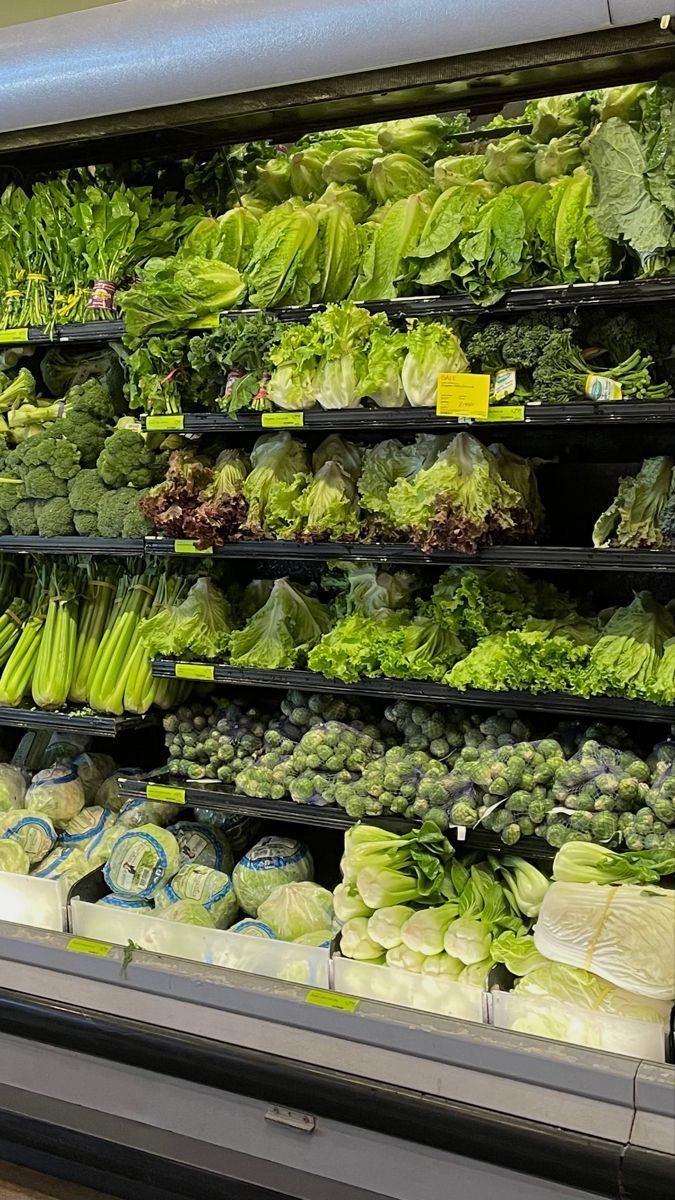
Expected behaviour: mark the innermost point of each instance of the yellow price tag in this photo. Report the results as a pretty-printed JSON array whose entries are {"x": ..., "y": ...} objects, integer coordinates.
[
  {"x": 601, "y": 387},
  {"x": 82, "y": 945},
  {"x": 332, "y": 1000},
  {"x": 463, "y": 395},
  {"x": 506, "y": 412},
  {"x": 158, "y": 791},
  {"x": 195, "y": 671},
  {"x": 171, "y": 423},
  {"x": 186, "y": 546},
  {"x": 282, "y": 420},
  {"x": 12, "y": 336}
]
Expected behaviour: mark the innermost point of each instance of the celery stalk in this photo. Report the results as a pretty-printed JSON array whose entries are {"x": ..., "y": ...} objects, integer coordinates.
[
  {"x": 56, "y": 657},
  {"x": 18, "y": 671},
  {"x": 94, "y": 613},
  {"x": 114, "y": 660}
]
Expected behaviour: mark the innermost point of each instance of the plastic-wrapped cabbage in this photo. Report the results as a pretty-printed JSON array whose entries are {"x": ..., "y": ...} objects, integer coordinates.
[
  {"x": 619, "y": 933},
  {"x": 187, "y": 912},
  {"x": 204, "y": 845},
  {"x": 99, "y": 848},
  {"x": 255, "y": 929},
  {"x": 139, "y": 812},
  {"x": 110, "y": 794},
  {"x": 34, "y": 833},
  {"x": 319, "y": 937},
  {"x": 68, "y": 863},
  {"x": 113, "y": 901},
  {"x": 239, "y": 831},
  {"x": 12, "y": 787},
  {"x": 209, "y": 887},
  {"x": 56, "y": 793},
  {"x": 92, "y": 770},
  {"x": 141, "y": 861},
  {"x": 268, "y": 864},
  {"x": 295, "y": 909},
  {"x": 13, "y": 858},
  {"x": 165, "y": 896},
  {"x": 87, "y": 824}
]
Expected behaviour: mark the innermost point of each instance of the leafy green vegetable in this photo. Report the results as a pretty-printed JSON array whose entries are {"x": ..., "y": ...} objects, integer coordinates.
[
  {"x": 634, "y": 518},
  {"x": 281, "y": 633},
  {"x": 198, "y": 623},
  {"x": 625, "y": 658}
]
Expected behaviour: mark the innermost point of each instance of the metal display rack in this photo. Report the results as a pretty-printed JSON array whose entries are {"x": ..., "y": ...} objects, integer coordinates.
[
  {"x": 423, "y": 693},
  {"x": 78, "y": 722}
]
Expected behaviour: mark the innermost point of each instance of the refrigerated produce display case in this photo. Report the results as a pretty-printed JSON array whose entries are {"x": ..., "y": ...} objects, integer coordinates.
[{"x": 337, "y": 622}]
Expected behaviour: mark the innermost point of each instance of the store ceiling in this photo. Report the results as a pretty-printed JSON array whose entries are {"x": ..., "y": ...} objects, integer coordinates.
[{"x": 103, "y": 83}]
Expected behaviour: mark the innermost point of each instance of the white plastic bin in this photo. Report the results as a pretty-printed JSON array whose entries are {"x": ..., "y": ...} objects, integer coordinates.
[
  {"x": 260, "y": 956},
  {"x": 582, "y": 1026},
  {"x": 428, "y": 993},
  {"x": 26, "y": 900}
]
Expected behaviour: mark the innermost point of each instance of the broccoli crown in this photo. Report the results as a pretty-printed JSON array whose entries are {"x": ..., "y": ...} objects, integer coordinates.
[
  {"x": 126, "y": 459},
  {"x": 54, "y": 517},
  {"x": 86, "y": 523},
  {"x": 114, "y": 510},
  {"x": 86, "y": 490},
  {"x": 136, "y": 525},
  {"x": 10, "y": 495},
  {"x": 87, "y": 433},
  {"x": 90, "y": 398},
  {"x": 45, "y": 449},
  {"x": 22, "y": 519},
  {"x": 41, "y": 483}
]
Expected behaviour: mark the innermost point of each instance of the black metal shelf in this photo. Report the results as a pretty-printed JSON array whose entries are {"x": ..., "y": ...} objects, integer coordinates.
[
  {"x": 428, "y": 693},
  {"x": 119, "y": 547},
  {"x": 386, "y": 420},
  {"x": 559, "y": 558},
  {"x": 76, "y": 721},
  {"x": 526, "y": 299},
  {"x": 211, "y": 795}
]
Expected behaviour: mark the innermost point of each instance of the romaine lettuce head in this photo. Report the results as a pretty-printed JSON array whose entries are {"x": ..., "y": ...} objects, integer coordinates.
[
  {"x": 397, "y": 176},
  {"x": 339, "y": 252},
  {"x": 509, "y": 160},
  {"x": 432, "y": 348},
  {"x": 351, "y": 164},
  {"x": 273, "y": 861},
  {"x": 459, "y": 168},
  {"x": 294, "y": 910},
  {"x": 421, "y": 137},
  {"x": 281, "y": 632},
  {"x": 284, "y": 265},
  {"x": 390, "y": 238},
  {"x": 307, "y": 167}
]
